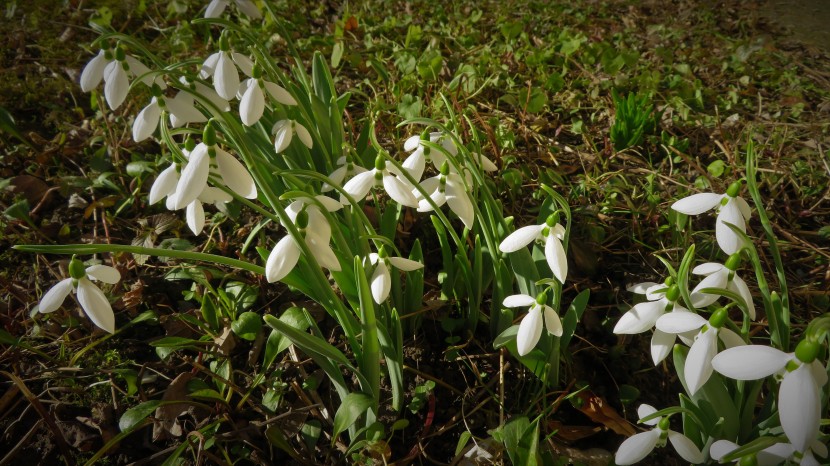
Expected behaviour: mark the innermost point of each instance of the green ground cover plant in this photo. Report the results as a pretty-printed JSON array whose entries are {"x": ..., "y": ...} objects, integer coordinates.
[{"x": 254, "y": 232}]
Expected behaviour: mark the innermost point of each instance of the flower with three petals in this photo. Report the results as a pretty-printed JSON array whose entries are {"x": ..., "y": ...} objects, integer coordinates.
[
  {"x": 92, "y": 299},
  {"x": 698, "y": 366},
  {"x": 222, "y": 66},
  {"x": 116, "y": 68},
  {"x": 638, "y": 446},
  {"x": 381, "y": 281},
  {"x": 662, "y": 298},
  {"x": 315, "y": 230},
  {"x": 216, "y": 7},
  {"x": 551, "y": 234},
  {"x": 799, "y": 396},
  {"x": 530, "y": 329},
  {"x": 398, "y": 188},
  {"x": 721, "y": 276},
  {"x": 345, "y": 170},
  {"x": 447, "y": 188},
  {"x": 283, "y": 132},
  {"x": 731, "y": 209},
  {"x": 252, "y": 93}
]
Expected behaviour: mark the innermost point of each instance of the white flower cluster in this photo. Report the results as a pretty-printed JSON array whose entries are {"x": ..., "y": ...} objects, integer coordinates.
[{"x": 714, "y": 347}]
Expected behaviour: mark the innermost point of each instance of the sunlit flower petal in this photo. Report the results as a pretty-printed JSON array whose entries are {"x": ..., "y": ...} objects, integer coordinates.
[
  {"x": 552, "y": 322},
  {"x": 685, "y": 447},
  {"x": 146, "y": 121},
  {"x": 282, "y": 259},
  {"x": 225, "y": 77},
  {"x": 697, "y": 203},
  {"x": 520, "y": 238},
  {"x": 195, "y": 216},
  {"x": 117, "y": 85},
  {"x": 164, "y": 185},
  {"x": 645, "y": 410},
  {"x": 52, "y": 300},
  {"x": 799, "y": 407},
  {"x": 750, "y": 362},
  {"x": 193, "y": 178},
  {"x": 252, "y": 104},
  {"x": 381, "y": 282},
  {"x": 556, "y": 258},
  {"x": 104, "y": 273},
  {"x": 728, "y": 240},
  {"x": 661, "y": 345},
  {"x": 235, "y": 175},
  {"x": 636, "y": 447},
  {"x": 96, "y": 305},
  {"x": 698, "y": 367},
  {"x": 93, "y": 72},
  {"x": 530, "y": 330},
  {"x": 640, "y": 318}
]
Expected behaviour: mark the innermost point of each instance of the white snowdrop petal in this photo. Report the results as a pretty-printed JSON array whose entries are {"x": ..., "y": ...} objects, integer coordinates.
[
  {"x": 530, "y": 330},
  {"x": 685, "y": 447},
  {"x": 556, "y": 258},
  {"x": 146, "y": 121},
  {"x": 245, "y": 64},
  {"x": 718, "y": 279},
  {"x": 415, "y": 164},
  {"x": 209, "y": 66},
  {"x": 640, "y": 318},
  {"x": 819, "y": 374},
  {"x": 249, "y": 8},
  {"x": 738, "y": 285},
  {"x": 104, "y": 273},
  {"x": 323, "y": 254},
  {"x": 96, "y": 305},
  {"x": 729, "y": 338},
  {"x": 213, "y": 195},
  {"x": 116, "y": 87},
  {"x": 93, "y": 72},
  {"x": 461, "y": 205},
  {"x": 679, "y": 322},
  {"x": 139, "y": 69},
  {"x": 282, "y": 135},
  {"x": 799, "y": 407},
  {"x": 336, "y": 177},
  {"x": 404, "y": 264},
  {"x": 381, "y": 283},
  {"x": 193, "y": 178},
  {"x": 53, "y": 299},
  {"x": 225, "y": 78},
  {"x": 252, "y": 105},
  {"x": 164, "y": 185},
  {"x": 215, "y": 8},
  {"x": 698, "y": 366},
  {"x": 282, "y": 259},
  {"x": 552, "y": 322},
  {"x": 183, "y": 109},
  {"x": 656, "y": 292},
  {"x": 721, "y": 448},
  {"x": 697, "y": 203},
  {"x": 398, "y": 191},
  {"x": 279, "y": 93},
  {"x": 636, "y": 447},
  {"x": 518, "y": 300},
  {"x": 213, "y": 97},
  {"x": 359, "y": 185},
  {"x": 707, "y": 268},
  {"x": 412, "y": 143},
  {"x": 328, "y": 203},
  {"x": 728, "y": 240},
  {"x": 640, "y": 288},
  {"x": 746, "y": 211},
  {"x": 235, "y": 175},
  {"x": 195, "y": 216},
  {"x": 520, "y": 238},
  {"x": 661, "y": 345},
  {"x": 304, "y": 135},
  {"x": 645, "y": 410},
  {"x": 750, "y": 362},
  {"x": 485, "y": 163}
]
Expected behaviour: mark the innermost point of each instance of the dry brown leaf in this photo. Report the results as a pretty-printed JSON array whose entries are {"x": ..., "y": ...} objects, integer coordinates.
[
  {"x": 596, "y": 408},
  {"x": 166, "y": 423}
]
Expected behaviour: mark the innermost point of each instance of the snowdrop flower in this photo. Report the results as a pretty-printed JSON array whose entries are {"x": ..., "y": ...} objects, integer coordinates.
[
  {"x": 381, "y": 281},
  {"x": 195, "y": 173},
  {"x": 195, "y": 212},
  {"x": 93, "y": 72},
  {"x": 638, "y": 446},
  {"x": 799, "y": 396},
  {"x": 222, "y": 66},
  {"x": 346, "y": 170},
  {"x": 552, "y": 234},
  {"x": 92, "y": 299},
  {"x": 662, "y": 298},
  {"x": 530, "y": 329},
  {"x": 447, "y": 188},
  {"x": 721, "y": 276},
  {"x": 396, "y": 187},
  {"x": 283, "y": 132},
  {"x": 731, "y": 209},
  {"x": 204, "y": 91},
  {"x": 420, "y": 153},
  {"x": 217, "y": 7},
  {"x": 116, "y": 68},
  {"x": 180, "y": 109},
  {"x": 252, "y": 97},
  {"x": 698, "y": 367},
  {"x": 316, "y": 233}
]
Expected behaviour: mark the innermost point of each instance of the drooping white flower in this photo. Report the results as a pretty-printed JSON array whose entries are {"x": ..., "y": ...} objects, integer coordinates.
[
  {"x": 346, "y": 170},
  {"x": 420, "y": 153},
  {"x": 117, "y": 75},
  {"x": 773, "y": 455},
  {"x": 721, "y": 276},
  {"x": 252, "y": 93},
  {"x": 180, "y": 109},
  {"x": 447, "y": 187},
  {"x": 93, "y": 72},
  {"x": 799, "y": 396},
  {"x": 381, "y": 281},
  {"x": 398, "y": 188},
  {"x": 222, "y": 66},
  {"x": 316, "y": 232},
  {"x": 216, "y": 7},
  {"x": 283, "y": 132},
  {"x": 194, "y": 174},
  {"x": 662, "y": 298},
  {"x": 638, "y": 446},
  {"x": 698, "y": 366},
  {"x": 552, "y": 234},
  {"x": 92, "y": 299},
  {"x": 530, "y": 329},
  {"x": 195, "y": 211},
  {"x": 731, "y": 209}
]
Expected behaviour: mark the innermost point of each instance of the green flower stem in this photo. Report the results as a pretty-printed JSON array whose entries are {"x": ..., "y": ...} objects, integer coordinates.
[{"x": 752, "y": 186}]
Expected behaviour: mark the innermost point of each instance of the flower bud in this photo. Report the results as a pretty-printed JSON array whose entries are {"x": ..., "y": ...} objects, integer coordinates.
[
  {"x": 541, "y": 298},
  {"x": 380, "y": 162},
  {"x": 120, "y": 55},
  {"x": 189, "y": 144}
]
